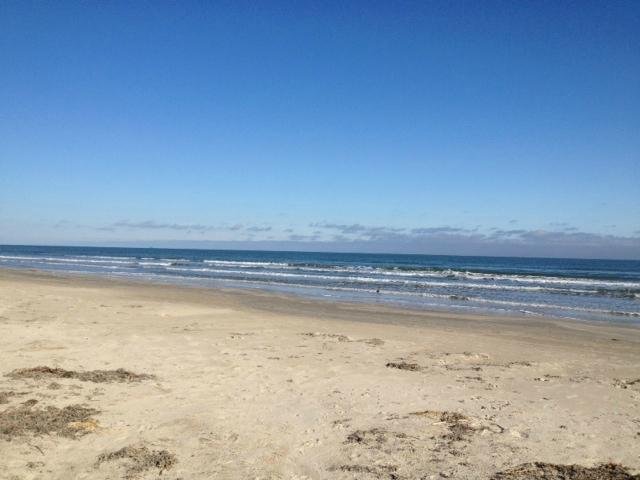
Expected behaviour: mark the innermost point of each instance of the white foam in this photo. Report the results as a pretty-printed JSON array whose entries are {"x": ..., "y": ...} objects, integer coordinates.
[{"x": 233, "y": 263}]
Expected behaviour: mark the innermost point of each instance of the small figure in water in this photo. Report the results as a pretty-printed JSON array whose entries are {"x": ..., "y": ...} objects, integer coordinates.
[{"x": 377, "y": 290}]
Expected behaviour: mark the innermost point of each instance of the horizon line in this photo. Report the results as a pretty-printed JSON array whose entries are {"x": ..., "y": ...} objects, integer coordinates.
[{"x": 321, "y": 252}]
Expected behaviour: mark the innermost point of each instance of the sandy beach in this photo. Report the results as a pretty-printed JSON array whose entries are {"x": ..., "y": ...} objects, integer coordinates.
[{"x": 106, "y": 380}]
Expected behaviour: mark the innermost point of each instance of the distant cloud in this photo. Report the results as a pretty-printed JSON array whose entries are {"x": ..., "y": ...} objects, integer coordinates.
[
  {"x": 365, "y": 231},
  {"x": 380, "y": 232},
  {"x": 66, "y": 224},
  {"x": 513, "y": 221},
  {"x": 577, "y": 238},
  {"x": 561, "y": 240},
  {"x": 563, "y": 226},
  {"x": 186, "y": 227},
  {"x": 507, "y": 233},
  {"x": 302, "y": 238},
  {"x": 258, "y": 229},
  {"x": 63, "y": 224},
  {"x": 437, "y": 230},
  {"x": 566, "y": 241},
  {"x": 151, "y": 225}
]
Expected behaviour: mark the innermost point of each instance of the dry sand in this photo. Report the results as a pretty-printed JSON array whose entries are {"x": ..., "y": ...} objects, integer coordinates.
[{"x": 246, "y": 385}]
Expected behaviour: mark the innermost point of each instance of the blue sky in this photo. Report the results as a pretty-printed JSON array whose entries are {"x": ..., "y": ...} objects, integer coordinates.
[{"x": 428, "y": 127}]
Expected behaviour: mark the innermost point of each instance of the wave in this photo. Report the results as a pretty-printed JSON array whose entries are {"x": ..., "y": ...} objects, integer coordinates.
[
  {"x": 431, "y": 272},
  {"x": 467, "y": 275},
  {"x": 424, "y": 286},
  {"x": 622, "y": 293},
  {"x": 428, "y": 299},
  {"x": 67, "y": 260},
  {"x": 447, "y": 278},
  {"x": 107, "y": 257},
  {"x": 447, "y": 297},
  {"x": 233, "y": 263}
]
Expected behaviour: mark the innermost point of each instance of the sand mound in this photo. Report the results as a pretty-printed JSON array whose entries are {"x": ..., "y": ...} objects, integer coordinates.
[
  {"x": 140, "y": 459},
  {"x": 70, "y": 421},
  {"x": 96, "y": 376},
  {"x": 549, "y": 471}
]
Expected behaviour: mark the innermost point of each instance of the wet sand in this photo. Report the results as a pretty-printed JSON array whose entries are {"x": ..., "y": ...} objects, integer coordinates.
[{"x": 250, "y": 385}]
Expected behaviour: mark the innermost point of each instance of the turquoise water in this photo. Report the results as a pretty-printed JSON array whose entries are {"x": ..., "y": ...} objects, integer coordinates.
[{"x": 597, "y": 290}]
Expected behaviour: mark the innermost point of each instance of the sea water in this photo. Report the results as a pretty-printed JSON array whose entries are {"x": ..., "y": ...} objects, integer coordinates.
[{"x": 594, "y": 290}]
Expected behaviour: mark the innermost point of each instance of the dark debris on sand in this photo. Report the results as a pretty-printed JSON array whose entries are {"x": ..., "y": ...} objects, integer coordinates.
[
  {"x": 413, "y": 367},
  {"x": 140, "y": 459},
  {"x": 71, "y": 421},
  {"x": 459, "y": 425},
  {"x": 333, "y": 336},
  {"x": 550, "y": 471},
  {"x": 5, "y": 395},
  {"x": 625, "y": 383},
  {"x": 376, "y": 471},
  {"x": 374, "y": 435},
  {"x": 96, "y": 376}
]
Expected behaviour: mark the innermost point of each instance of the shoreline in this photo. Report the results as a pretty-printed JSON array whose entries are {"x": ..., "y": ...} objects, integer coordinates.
[
  {"x": 307, "y": 302},
  {"x": 588, "y": 290},
  {"x": 250, "y": 384}
]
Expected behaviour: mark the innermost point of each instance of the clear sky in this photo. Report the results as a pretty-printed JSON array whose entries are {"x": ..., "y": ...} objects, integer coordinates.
[{"x": 429, "y": 127}]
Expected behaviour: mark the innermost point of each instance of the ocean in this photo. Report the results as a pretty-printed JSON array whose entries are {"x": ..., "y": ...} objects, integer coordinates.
[{"x": 591, "y": 290}]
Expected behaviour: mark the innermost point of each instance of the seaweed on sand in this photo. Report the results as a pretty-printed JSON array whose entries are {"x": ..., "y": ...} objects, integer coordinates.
[
  {"x": 71, "y": 421},
  {"x": 96, "y": 376},
  {"x": 459, "y": 426},
  {"x": 140, "y": 459},
  {"x": 376, "y": 471},
  {"x": 550, "y": 471},
  {"x": 413, "y": 367}
]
